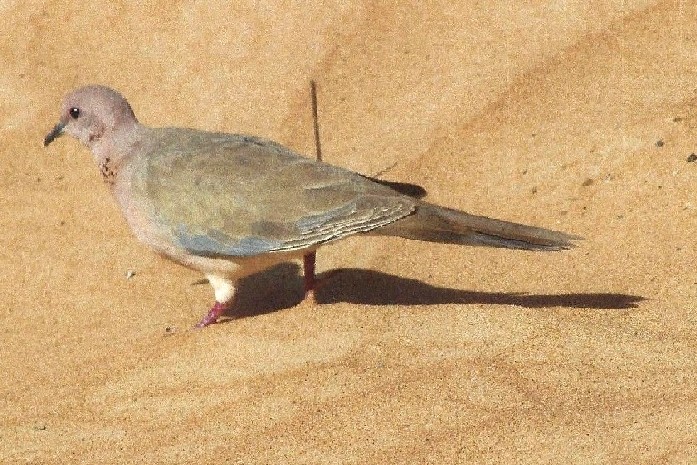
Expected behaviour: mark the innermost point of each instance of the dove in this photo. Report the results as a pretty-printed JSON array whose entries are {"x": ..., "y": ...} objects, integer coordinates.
[{"x": 230, "y": 205}]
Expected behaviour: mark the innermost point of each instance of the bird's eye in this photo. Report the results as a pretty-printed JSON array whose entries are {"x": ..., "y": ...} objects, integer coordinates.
[{"x": 74, "y": 113}]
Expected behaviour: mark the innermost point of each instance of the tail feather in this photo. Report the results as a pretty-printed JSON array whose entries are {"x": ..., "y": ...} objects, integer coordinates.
[{"x": 439, "y": 224}]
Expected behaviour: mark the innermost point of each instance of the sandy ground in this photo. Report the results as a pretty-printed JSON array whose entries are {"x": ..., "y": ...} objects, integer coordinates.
[{"x": 578, "y": 116}]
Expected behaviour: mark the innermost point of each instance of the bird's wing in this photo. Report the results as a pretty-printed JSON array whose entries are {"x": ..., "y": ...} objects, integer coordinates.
[{"x": 218, "y": 195}]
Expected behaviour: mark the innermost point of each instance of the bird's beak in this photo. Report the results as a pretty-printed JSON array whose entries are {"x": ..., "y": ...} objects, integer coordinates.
[{"x": 57, "y": 131}]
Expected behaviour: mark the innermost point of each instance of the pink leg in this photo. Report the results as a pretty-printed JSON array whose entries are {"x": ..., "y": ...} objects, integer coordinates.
[
  {"x": 212, "y": 316},
  {"x": 309, "y": 276},
  {"x": 312, "y": 283}
]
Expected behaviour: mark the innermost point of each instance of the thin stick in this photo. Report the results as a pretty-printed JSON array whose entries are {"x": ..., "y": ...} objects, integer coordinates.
[
  {"x": 310, "y": 258},
  {"x": 315, "y": 120}
]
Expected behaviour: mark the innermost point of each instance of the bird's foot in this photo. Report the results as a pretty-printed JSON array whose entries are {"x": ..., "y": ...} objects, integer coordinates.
[
  {"x": 310, "y": 287},
  {"x": 313, "y": 284},
  {"x": 309, "y": 278},
  {"x": 212, "y": 316}
]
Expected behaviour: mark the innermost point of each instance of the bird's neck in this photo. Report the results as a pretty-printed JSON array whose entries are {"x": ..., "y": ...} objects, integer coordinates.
[{"x": 113, "y": 151}]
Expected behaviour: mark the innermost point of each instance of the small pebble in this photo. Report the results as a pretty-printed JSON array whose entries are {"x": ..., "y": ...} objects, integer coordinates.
[
  {"x": 130, "y": 274},
  {"x": 660, "y": 143},
  {"x": 692, "y": 158},
  {"x": 587, "y": 182}
]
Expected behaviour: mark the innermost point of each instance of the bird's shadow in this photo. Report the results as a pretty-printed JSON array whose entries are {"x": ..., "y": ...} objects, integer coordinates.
[{"x": 281, "y": 287}]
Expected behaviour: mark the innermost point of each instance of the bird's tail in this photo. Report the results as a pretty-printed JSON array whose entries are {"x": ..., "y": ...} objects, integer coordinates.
[{"x": 439, "y": 224}]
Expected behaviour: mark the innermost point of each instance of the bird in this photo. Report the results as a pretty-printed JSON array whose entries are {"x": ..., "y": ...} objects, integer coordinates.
[{"x": 231, "y": 205}]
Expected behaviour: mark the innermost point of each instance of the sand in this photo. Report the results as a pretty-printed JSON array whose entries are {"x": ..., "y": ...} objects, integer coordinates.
[{"x": 577, "y": 116}]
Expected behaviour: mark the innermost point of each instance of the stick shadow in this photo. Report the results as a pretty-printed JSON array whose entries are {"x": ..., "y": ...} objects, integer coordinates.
[{"x": 281, "y": 287}]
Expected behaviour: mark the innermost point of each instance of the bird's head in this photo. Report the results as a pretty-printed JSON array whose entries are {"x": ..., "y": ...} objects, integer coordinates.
[{"x": 90, "y": 113}]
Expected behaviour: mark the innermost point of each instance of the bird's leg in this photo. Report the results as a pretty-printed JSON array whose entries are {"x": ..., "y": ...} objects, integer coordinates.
[
  {"x": 312, "y": 282},
  {"x": 213, "y": 315},
  {"x": 224, "y": 292},
  {"x": 310, "y": 279}
]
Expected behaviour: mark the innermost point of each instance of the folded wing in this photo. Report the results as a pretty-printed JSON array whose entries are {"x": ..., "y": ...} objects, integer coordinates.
[{"x": 218, "y": 195}]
